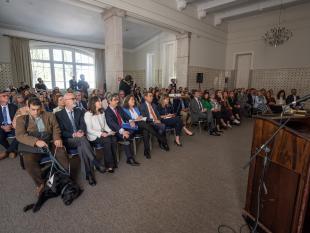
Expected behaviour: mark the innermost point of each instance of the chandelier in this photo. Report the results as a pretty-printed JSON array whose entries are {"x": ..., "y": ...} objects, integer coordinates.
[{"x": 278, "y": 34}]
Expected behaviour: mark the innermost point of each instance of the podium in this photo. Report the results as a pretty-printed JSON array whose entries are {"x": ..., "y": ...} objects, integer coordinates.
[{"x": 285, "y": 207}]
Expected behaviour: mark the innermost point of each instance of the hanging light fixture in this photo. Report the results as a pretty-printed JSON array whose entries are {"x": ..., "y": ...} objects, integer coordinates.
[{"x": 278, "y": 34}]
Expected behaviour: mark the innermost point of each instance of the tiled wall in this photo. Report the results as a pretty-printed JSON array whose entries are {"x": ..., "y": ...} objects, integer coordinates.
[
  {"x": 5, "y": 75},
  {"x": 286, "y": 79},
  {"x": 212, "y": 78}
]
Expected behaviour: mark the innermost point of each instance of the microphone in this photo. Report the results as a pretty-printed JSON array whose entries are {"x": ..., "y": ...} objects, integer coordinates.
[{"x": 304, "y": 98}]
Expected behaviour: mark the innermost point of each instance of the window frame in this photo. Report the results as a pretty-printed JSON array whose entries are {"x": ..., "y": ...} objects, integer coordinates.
[{"x": 52, "y": 62}]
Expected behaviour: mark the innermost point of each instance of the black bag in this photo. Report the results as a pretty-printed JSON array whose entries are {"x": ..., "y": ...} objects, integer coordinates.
[{"x": 61, "y": 184}]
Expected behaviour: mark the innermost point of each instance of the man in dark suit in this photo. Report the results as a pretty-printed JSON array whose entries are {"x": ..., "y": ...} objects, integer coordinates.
[
  {"x": 81, "y": 104},
  {"x": 73, "y": 128},
  {"x": 40, "y": 86},
  {"x": 150, "y": 111},
  {"x": 115, "y": 117},
  {"x": 6, "y": 117},
  {"x": 199, "y": 113},
  {"x": 293, "y": 97}
]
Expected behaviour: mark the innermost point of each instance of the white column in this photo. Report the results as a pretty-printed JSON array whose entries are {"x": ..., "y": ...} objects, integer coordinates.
[
  {"x": 113, "y": 47},
  {"x": 182, "y": 62}
]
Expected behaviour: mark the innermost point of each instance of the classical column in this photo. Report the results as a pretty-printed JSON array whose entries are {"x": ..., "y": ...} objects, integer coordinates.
[
  {"x": 182, "y": 61},
  {"x": 113, "y": 47}
]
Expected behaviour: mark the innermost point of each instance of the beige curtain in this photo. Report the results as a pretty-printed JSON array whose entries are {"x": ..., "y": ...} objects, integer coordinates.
[
  {"x": 21, "y": 61},
  {"x": 100, "y": 68}
]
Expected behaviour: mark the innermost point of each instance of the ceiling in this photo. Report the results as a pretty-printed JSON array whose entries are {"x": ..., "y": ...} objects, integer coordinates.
[
  {"x": 67, "y": 20},
  {"x": 224, "y": 10}
]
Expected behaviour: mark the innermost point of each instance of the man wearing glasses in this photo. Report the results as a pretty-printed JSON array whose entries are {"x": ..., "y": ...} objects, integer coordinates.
[
  {"x": 73, "y": 130},
  {"x": 6, "y": 131}
]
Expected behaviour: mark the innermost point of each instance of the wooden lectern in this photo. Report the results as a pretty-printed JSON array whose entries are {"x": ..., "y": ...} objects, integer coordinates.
[{"x": 285, "y": 208}]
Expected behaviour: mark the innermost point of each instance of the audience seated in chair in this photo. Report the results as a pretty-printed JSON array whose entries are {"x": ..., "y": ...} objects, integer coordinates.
[
  {"x": 149, "y": 110},
  {"x": 36, "y": 130},
  {"x": 169, "y": 118},
  {"x": 144, "y": 126},
  {"x": 199, "y": 113},
  {"x": 99, "y": 133},
  {"x": 6, "y": 117},
  {"x": 116, "y": 117},
  {"x": 73, "y": 131}
]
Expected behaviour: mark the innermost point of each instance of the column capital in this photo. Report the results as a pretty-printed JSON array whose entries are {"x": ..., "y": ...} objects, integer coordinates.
[
  {"x": 113, "y": 12},
  {"x": 183, "y": 35}
]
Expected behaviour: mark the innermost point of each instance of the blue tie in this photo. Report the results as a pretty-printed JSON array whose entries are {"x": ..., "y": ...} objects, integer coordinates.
[{"x": 4, "y": 114}]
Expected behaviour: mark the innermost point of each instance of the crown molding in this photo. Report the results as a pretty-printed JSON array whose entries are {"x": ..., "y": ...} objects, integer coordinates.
[{"x": 44, "y": 38}]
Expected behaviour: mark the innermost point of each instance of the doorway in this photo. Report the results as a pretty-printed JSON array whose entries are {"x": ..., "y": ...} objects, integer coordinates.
[{"x": 243, "y": 67}]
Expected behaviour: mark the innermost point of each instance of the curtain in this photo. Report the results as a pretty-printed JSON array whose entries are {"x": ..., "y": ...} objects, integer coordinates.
[
  {"x": 21, "y": 61},
  {"x": 100, "y": 69}
]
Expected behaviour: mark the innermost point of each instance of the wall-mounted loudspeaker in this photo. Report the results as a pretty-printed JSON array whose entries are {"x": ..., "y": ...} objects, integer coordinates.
[{"x": 199, "y": 78}]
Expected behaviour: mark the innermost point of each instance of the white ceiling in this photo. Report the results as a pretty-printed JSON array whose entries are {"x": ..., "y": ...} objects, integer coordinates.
[
  {"x": 63, "y": 19},
  {"x": 223, "y": 10}
]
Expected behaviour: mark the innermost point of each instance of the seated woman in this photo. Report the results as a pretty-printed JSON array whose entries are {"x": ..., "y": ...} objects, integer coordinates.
[
  {"x": 181, "y": 107},
  {"x": 210, "y": 106},
  {"x": 270, "y": 99},
  {"x": 226, "y": 114},
  {"x": 146, "y": 128},
  {"x": 216, "y": 111},
  {"x": 281, "y": 98},
  {"x": 98, "y": 132},
  {"x": 232, "y": 100},
  {"x": 170, "y": 119}
]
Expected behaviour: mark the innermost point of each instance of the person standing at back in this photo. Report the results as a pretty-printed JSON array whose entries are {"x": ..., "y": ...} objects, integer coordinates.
[
  {"x": 83, "y": 85},
  {"x": 73, "y": 84}
]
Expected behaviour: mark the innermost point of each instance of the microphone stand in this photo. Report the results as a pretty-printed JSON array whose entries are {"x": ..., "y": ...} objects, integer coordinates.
[{"x": 264, "y": 147}]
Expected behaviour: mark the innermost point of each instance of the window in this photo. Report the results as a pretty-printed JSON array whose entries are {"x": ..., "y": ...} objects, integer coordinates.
[{"x": 56, "y": 65}]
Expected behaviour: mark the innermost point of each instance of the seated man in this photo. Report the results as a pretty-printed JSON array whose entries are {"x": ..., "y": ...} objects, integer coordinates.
[
  {"x": 199, "y": 113},
  {"x": 34, "y": 131},
  {"x": 115, "y": 117},
  {"x": 80, "y": 103},
  {"x": 73, "y": 129},
  {"x": 293, "y": 97},
  {"x": 149, "y": 111},
  {"x": 145, "y": 128},
  {"x": 6, "y": 117}
]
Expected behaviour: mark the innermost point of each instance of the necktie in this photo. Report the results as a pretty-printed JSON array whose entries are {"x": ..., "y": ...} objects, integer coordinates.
[
  {"x": 72, "y": 121},
  {"x": 151, "y": 110},
  {"x": 199, "y": 104},
  {"x": 119, "y": 119},
  {"x": 4, "y": 114}
]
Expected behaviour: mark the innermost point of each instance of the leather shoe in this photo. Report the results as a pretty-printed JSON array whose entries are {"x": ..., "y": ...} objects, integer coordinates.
[
  {"x": 3, "y": 155},
  {"x": 178, "y": 144},
  {"x": 215, "y": 133},
  {"x": 147, "y": 155},
  {"x": 91, "y": 180},
  {"x": 133, "y": 162},
  {"x": 164, "y": 147}
]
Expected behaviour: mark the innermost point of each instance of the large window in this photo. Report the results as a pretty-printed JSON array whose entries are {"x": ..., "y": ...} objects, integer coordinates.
[{"x": 56, "y": 66}]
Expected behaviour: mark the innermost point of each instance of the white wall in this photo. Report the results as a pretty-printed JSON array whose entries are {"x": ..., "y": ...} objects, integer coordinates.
[
  {"x": 136, "y": 59},
  {"x": 245, "y": 35},
  {"x": 4, "y": 49},
  {"x": 206, "y": 53}
]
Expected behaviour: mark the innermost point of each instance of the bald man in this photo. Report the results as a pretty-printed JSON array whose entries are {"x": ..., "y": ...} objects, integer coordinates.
[{"x": 73, "y": 129}]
